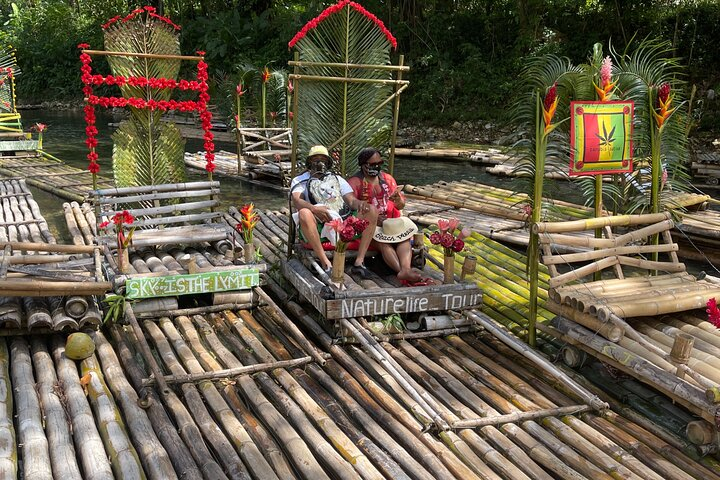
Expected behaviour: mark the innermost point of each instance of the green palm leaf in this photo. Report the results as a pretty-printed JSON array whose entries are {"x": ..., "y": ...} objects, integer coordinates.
[
  {"x": 327, "y": 110},
  {"x": 147, "y": 151}
]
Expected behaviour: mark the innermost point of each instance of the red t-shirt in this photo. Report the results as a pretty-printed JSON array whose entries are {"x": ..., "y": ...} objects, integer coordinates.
[{"x": 377, "y": 195}]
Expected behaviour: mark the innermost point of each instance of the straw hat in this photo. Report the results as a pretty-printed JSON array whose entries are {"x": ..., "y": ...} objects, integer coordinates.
[
  {"x": 395, "y": 230},
  {"x": 319, "y": 150}
]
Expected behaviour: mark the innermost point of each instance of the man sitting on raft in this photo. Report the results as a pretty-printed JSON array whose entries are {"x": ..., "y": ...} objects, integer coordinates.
[
  {"x": 394, "y": 232},
  {"x": 319, "y": 195}
]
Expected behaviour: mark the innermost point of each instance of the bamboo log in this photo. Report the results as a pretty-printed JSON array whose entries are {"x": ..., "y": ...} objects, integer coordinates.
[
  {"x": 155, "y": 459},
  {"x": 607, "y": 329},
  {"x": 516, "y": 417},
  {"x": 600, "y": 222},
  {"x": 31, "y": 436},
  {"x": 142, "y": 55},
  {"x": 187, "y": 457},
  {"x": 92, "y": 317},
  {"x": 8, "y": 445},
  {"x": 59, "y": 319},
  {"x": 62, "y": 453},
  {"x": 211, "y": 431},
  {"x": 123, "y": 456},
  {"x": 37, "y": 313}
]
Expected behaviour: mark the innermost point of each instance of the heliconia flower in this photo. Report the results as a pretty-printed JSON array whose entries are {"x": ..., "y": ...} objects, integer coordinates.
[
  {"x": 453, "y": 224},
  {"x": 663, "y": 110},
  {"x": 239, "y": 90},
  {"x": 248, "y": 210},
  {"x": 265, "y": 75},
  {"x": 290, "y": 87},
  {"x": 443, "y": 225},
  {"x": 39, "y": 127},
  {"x": 549, "y": 106}
]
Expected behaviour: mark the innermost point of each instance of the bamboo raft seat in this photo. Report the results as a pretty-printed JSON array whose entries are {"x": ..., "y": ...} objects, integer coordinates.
[{"x": 175, "y": 213}]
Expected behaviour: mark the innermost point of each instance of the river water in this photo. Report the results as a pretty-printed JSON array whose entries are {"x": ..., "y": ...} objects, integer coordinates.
[{"x": 65, "y": 136}]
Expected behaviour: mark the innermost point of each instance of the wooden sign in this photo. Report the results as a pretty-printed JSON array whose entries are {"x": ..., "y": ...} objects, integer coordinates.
[
  {"x": 600, "y": 137},
  {"x": 206, "y": 282},
  {"x": 403, "y": 303},
  {"x": 18, "y": 145}
]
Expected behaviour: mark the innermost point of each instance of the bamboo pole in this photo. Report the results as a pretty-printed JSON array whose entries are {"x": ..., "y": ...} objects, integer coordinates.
[
  {"x": 89, "y": 445},
  {"x": 600, "y": 222},
  {"x": 156, "y": 56},
  {"x": 189, "y": 458},
  {"x": 31, "y": 436},
  {"x": 123, "y": 456},
  {"x": 8, "y": 454},
  {"x": 155, "y": 459}
]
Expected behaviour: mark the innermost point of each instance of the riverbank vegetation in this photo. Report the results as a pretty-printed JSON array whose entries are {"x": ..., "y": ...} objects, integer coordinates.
[{"x": 465, "y": 56}]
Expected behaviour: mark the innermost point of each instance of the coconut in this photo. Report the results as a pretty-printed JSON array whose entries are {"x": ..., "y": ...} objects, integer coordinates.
[{"x": 79, "y": 346}]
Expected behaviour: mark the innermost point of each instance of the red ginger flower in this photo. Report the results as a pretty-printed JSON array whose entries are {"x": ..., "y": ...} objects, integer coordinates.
[
  {"x": 713, "y": 312},
  {"x": 549, "y": 106},
  {"x": 663, "y": 110}
]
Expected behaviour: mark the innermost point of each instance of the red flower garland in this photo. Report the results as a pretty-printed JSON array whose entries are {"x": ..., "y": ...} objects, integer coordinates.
[
  {"x": 200, "y": 85},
  {"x": 151, "y": 13},
  {"x": 336, "y": 8}
]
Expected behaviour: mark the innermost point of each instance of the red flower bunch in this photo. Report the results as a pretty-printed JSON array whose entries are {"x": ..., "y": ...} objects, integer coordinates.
[
  {"x": 347, "y": 230},
  {"x": 336, "y": 8},
  {"x": 38, "y": 127},
  {"x": 713, "y": 312},
  {"x": 120, "y": 219},
  {"x": 249, "y": 219},
  {"x": 447, "y": 238},
  {"x": 150, "y": 12}
]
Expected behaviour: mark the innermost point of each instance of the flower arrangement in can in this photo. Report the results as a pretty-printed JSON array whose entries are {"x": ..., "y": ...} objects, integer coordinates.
[
  {"x": 447, "y": 238},
  {"x": 347, "y": 230},
  {"x": 249, "y": 219}
]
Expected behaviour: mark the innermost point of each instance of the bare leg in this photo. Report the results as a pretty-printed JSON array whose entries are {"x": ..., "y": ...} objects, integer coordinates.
[
  {"x": 308, "y": 225},
  {"x": 389, "y": 256},
  {"x": 367, "y": 235},
  {"x": 403, "y": 250}
]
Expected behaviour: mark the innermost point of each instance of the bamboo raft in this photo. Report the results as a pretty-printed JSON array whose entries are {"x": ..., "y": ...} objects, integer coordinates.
[
  {"x": 488, "y": 156},
  {"x": 45, "y": 286},
  {"x": 275, "y": 175},
  {"x": 50, "y": 174}
]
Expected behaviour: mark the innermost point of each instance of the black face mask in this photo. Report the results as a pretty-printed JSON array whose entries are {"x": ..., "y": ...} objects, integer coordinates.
[
  {"x": 318, "y": 167},
  {"x": 373, "y": 170}
]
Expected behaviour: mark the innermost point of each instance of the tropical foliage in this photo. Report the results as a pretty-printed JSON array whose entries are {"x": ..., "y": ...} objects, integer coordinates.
[
  {"x": 146, "y": 150},
  {"x": 342, "y": 115}
]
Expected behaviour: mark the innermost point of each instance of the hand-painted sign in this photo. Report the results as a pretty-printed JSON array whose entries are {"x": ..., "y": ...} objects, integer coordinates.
[
  {"x": 600, "y": 137},
  {"x": 387, "y": 304},
  {"x": 171, "y": 285}
]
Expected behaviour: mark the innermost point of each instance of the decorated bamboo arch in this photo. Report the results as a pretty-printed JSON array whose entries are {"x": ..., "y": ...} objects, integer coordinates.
[{"x": 346, "y": 90}]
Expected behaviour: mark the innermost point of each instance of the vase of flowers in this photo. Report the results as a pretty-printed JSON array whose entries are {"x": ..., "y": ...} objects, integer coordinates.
[
  {"x": 248, "y": 220},
  {"x": 123, "y": 240},
  {"x": 451, "y": 243},
  {"x": 346, "y": 231}
]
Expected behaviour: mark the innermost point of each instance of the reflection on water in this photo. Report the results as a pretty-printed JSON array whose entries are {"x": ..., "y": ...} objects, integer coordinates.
[{"x": 65, "y": 138}]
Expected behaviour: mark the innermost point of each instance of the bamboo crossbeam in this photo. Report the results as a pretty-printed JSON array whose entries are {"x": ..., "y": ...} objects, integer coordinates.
[
  {"x": 165, "y": 187},
  {"x": 48, "y": 247},
  {"x": 305, "y": 63},
  {"x": 562, "y": 258},
  {"x": 600, "y": 222},
  {"x": 517, "y": 417},
  {"x": 581, "y": 272},
  {"x": 108, "y": 53},
  {"x": 145, "y": 197},
  {"x": 320, "y": 78},
  {"x": 231, "y": 372}
]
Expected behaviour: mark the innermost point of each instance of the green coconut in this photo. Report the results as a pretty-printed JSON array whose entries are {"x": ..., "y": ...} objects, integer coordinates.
[{"x": 79, "y": 346}]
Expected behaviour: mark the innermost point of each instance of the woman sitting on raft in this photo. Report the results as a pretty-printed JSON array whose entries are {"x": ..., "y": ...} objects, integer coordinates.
[{"x": 393, "y": 232}]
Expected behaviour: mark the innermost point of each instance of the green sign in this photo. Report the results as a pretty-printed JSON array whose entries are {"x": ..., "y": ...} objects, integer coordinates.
[{"x": 206, "y": 282}]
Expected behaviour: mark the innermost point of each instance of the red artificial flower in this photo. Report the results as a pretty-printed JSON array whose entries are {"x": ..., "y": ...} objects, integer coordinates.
[
  {"x": 239, "y": 90},
  {"x": 458, "y": 245},
  {"x": 435, "y": 238},
  {"x": 94, "y": 167},
  {"x": 38, "y": 127},
  {"x": 347, "y": 234},
  {"x": 83, "y": 46},
  {"x": 104, "y": 225},
  {"x": 201, "y": 53},
  {"x": 290, "y": 87}
]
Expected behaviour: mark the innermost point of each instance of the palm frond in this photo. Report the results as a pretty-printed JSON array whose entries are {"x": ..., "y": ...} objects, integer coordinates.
[
  {"x": 328, "y": 109},
  {"x": 147, "y": 151}
]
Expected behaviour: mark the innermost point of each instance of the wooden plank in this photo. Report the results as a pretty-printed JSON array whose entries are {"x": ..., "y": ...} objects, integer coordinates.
[
  {"x": 192, "y": 283},
  {"x": 10, "y": 145},
  {"x": 309, "y": 287}
]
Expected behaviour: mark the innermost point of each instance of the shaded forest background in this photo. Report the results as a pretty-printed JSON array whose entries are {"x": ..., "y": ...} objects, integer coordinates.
[{"x": 464, "y": 55}]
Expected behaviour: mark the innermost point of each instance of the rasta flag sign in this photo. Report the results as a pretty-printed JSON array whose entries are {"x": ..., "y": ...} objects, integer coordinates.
[{"x": 600, "y": 137}]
